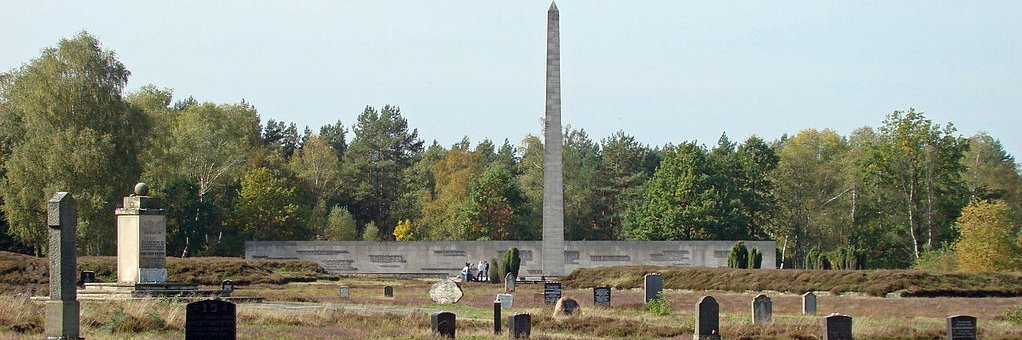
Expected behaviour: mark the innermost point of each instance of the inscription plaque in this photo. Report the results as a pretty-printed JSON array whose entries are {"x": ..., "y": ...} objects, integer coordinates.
[
  {"x": 601, "y": 296},
  {"x": 551, "y": 292}
]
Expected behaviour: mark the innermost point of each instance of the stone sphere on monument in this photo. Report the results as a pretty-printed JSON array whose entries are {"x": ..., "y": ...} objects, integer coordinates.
[{"x": 142, "y": 189}]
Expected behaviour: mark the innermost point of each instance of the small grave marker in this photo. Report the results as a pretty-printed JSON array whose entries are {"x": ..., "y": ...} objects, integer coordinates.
[
  {"x": 601, "y": 296},
  {"x": 211, "y": 319},
  {"x": 506, "y": 300},
  {"x": 509, "y": 282},
  {"x": 707, "y": 319},
  {"x": 86, "y": 277},
  {"x": 551, "y": 292},
  {"x": 227, "y": 286},
  {"x": 837, "y": 327},
  {"x": 961, "y": 327},
  {"x": 653, "y": 283},
  {"x": 388, "y": 291},
  {"x": 344, "y": 293},
  {"x": 762, "y": 309},
  {"x": 443, "y": 324},
  {"x": 809, "y": 303},
  {"x": 519, "y": 326}
]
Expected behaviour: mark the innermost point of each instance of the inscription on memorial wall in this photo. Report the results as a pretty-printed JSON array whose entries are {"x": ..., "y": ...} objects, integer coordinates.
[
  {"x": 610, "y": 258},
  {"x": 449, "y": 253},
  {"x": 387, "y": 258},
  {"x": 339, "y": 265},
  {"x": 676, "y": 256},
  {"x": 321, "y": 252},
  {"x": 571, "y": 256},
  {"x": 152, "y": 248},
  {"x": 721, "y": 254}
]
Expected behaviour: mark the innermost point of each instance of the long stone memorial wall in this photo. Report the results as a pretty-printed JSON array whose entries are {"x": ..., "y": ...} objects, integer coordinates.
[{"x": 440, "y": 258}]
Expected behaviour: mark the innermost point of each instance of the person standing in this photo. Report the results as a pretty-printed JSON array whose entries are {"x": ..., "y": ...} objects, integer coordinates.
[
  {"x": 479, "y": 271},
  {"x": 486, "y": 270}
]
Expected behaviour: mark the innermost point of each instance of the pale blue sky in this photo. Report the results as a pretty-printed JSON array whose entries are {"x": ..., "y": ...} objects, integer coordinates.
[{"x": 663, "y": 71}]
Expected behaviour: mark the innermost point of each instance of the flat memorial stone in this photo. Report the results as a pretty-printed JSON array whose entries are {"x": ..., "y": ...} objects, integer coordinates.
[
  {"x": 344, "y": 293},
  {"x": 443, "y": 324},
  {"x": 961, "y": 327},
  {"x": 707, "y": 319},
  {"x": 211, "y": 319},
  {"x": 551, "y": 292},
  {"x": 601, "y": 296},
  {"x": 519, "y": 326},
  {"x": 506, "y": 300},
  {"x": 388, "y": 291},
  {"x": 762, "y": 309},
  {"x": 809, "y": 303},
  {"x": 509, "y": 282},
  {"x": 653, "y": 284},
  {"x": 445, "y": 292},
  {"x": 837, "y": 327}
]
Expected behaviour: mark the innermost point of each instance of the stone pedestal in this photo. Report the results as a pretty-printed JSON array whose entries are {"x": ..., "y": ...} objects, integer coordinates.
[
  {"x": 141, "y": 241},
  {"x": 62, "y": 319}
]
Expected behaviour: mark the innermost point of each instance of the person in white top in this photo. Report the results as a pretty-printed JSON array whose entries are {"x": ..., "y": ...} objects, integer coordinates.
[{"x": 480, "y": 270}]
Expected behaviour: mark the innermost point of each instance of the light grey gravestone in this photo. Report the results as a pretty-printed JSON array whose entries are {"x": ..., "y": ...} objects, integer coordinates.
[
  {"x": 509, "y": 282},
  {"x": 506, "y": 300},
  {"x": 809, "y": 303},
  {"x": 519, "y": 326},
  {"x": 444, "y": 324},
  {"x": 653, "y": 284},
  {"x": 961, "y": 327},
  {"x": 62, "y": 310},
  {"x": 601, "y": 296},
  {"x": 344, "y": 293},
  {"x": 445, "y": 292},
  {"x": 762, "y": 309},
  {"x": 707, "y": 319},
  {"x": 837, "y": 327},
  {"x": 566, "y": 306}
]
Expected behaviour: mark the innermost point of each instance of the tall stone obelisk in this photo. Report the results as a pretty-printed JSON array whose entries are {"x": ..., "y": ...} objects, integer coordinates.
[{"x": 553, "y": 177}]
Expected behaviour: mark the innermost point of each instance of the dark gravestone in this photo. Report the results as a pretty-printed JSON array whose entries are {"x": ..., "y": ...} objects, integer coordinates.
[
  {"x": 388, "y": 291},
  {"x": 762, "y": 309},
  {"x": 227, "y": 286},
  {"x": 211, "y": 319},
  {"x": 443, "y": 324},
  {"x": 707, "y": 319},
  {"x": 809, "y": 303},
  {"x": 837, "y": 327},
  {"x": 961, "y": 327},
  {"x": 551, "y": 292},
  {"x": 86, "y": 277},
  {"x": 519, "y": 326},
  {"x": 653, "y": 283},
  {"x": 496, "y": 317},
  {"x": 601, "y": 296}
]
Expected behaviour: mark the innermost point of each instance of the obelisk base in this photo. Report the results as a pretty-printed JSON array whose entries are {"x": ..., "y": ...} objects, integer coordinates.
[{"x": 62, "y": 320}]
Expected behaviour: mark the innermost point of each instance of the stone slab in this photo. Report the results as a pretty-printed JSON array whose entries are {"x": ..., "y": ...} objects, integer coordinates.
[{"x": 445, "y": 292}]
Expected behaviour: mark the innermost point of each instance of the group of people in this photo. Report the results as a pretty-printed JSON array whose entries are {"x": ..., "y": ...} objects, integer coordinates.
[{"x": 480, "y": 273}]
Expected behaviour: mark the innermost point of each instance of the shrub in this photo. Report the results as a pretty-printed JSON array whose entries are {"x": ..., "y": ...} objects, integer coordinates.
[
  {"x": 371, "y": 232},
  {"x": 1014, "y": 314},
  {"x": 495, "y": 272},
  {"x": 739, "y": 256},
  {"x": 660, "y": 305},
  {"x": 755, "y": 259},
  {"x": 512, "y": 262}
]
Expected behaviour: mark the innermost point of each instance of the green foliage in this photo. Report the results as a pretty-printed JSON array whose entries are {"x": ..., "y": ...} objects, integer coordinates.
[
  {"x": 989, "y": 238},
  {"x": 941, "y": 260},
  {"x": 371, "y": 232},
  {"x": 494, "y": 208},
  {"x": 495, "y": 271},
  {"x": 739, "y": 256},
  {"x": 269, "y": 207},
  {"x": 341, "y": 226},
  {"x": 845, "y": 258},
  {"x": 755, "y": 259},
  {"x": 1014, "y": 314},
  {"x": 511, "y": 262},
  {"x": 403, "y": 231},
  {"x": 660, "y": 306}
]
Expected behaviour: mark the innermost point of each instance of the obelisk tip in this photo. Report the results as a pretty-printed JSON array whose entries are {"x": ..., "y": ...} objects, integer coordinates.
[{"x": 553, "y": 6}]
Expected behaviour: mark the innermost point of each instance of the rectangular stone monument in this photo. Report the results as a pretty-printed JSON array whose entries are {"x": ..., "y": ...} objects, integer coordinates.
[
  {"x": 388, "y": 291},
  {"x": 707, "y": 319},
  {"x": 497, "y": 306},
  {"x": 551, "y": 292},
  {"x": 62, "y": 310},
  {"x": 762, "y": 309},
  {"x": 443, "y": 324},
  {"x": 837, "y": 327},
  {"x": 86, "y": 277},
  {"x": 506, "y": 300},
  {"x": 509, "y": 282},
  {"x": 601, "y": 296},
  {"x": 961, "y": 327},
  {"x": 344, "y": 293},
  {"x": 653, "y": 283},
  {"x": 519, "y": 326},
  {"x": 211, "y": 319},
  {"x": 141, "y": 240},
  {"x": 809, "y": 303}
]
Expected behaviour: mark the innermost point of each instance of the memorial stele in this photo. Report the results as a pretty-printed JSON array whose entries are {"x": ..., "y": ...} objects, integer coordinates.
[{"x": 141, "y": 239}]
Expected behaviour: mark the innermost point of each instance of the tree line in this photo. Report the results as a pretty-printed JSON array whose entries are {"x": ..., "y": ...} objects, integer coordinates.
[{"x": 893, "y": 195}]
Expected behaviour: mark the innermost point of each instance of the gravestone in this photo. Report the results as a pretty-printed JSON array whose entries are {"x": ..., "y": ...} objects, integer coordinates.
[
  {"x": 653, "y": 283},
  {"x": 961, "y": 327},
  {"x": 86, "y": 277},
  {"x": 506, "y": 300},
  {"x": 443, "y": 324},
  {"x": 809, "y": 303},
  {"x": 762, "y": 309},
  {"x": 566, "y": 306},
  {"x": 445, "y": 292},
  {"x": 62, "y": 309},
  {"x": 519, "y": 326},
  {"x": 344, "y": 293},
  {"x": 601, "y": 296},
  {"x": 141, "y": 239},
  {"x": 388, "y": 291},
  {"x": 509, "y": 282},
  {"x": 227, "y": 287},
  {"x": 211, "y": 319},
  {"x": 496, "y": 317},
  {"x": 551, "y": 292},
  {"x": 837, "y": 327},
  {"x": 707, "y": 319}
]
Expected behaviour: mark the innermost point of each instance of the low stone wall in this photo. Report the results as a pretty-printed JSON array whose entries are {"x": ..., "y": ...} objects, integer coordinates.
[{"x": 446, "y": 258}]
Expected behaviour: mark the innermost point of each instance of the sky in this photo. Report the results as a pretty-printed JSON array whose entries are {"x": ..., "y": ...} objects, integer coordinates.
[{"x": 662, "y": 71}]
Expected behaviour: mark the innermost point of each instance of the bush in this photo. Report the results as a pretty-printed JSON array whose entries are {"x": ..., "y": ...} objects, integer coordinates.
[
  {"x": 660, "y": 305},
  {"x": 495, "y": 272},
  {"x": 739, "y": 256},
  {"x": 1014, "y": 314},
  {"x": 511, "y": 263},
  {"x": 941, "y": 260},
  {"x": 755, "y": 259}
]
